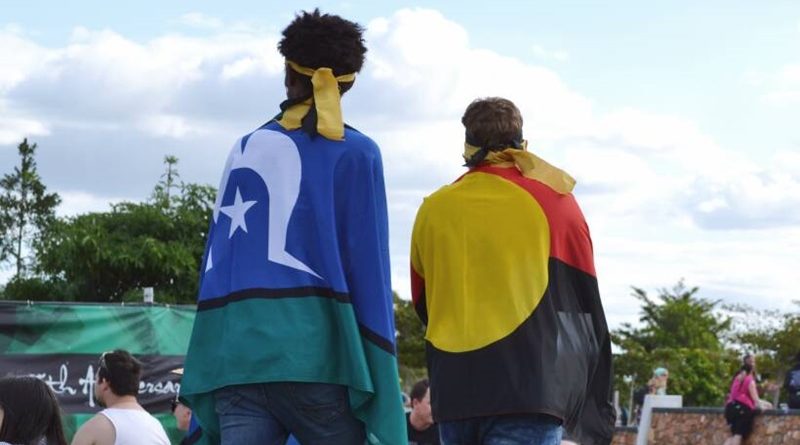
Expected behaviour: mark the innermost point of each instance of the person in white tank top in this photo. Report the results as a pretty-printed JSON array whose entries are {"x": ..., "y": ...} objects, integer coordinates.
[{"x": 123, "y": 421}]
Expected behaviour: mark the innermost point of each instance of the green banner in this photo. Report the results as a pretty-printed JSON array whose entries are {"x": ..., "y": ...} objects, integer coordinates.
[{"x": 61, "y": 342}]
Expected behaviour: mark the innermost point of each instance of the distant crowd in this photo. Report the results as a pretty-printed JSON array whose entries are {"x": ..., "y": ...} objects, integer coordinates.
[{"x": 747, "y": 396}]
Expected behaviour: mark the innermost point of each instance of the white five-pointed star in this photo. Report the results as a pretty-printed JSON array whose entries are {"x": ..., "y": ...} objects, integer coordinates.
[{"x": 236, "y": 213}]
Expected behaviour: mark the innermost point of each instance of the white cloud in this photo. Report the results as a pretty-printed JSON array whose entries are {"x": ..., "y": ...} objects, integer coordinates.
[
  {"x": 765, "y": 198},
  {"x": 200, "y": 20},
  {"x": 782, "y": 97},
  {"x": 171, "y": 126},
  {"x": 107, "y": 108},
  {"x": 790, "y": 74},
  {"x": 20, "y": 57},
  {"x": 14, "y": 129},
  {"x": 783, "y": 87},
  {"x": 103, "y": 77},
  {"x": 558, "y": 55},
  {"x": 78, "y": 202}
]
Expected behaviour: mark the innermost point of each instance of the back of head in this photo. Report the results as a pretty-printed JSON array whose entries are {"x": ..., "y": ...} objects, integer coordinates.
[
  {"x": 315, "y": 40},
  {"x": 493, "y": 123},
  {"x": 122, "y": 370},
  {"x": 419, "y": 390},
  {"x": 31, "y": 412}
]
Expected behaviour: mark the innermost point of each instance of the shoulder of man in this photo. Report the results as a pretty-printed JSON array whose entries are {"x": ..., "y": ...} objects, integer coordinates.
[
  {"x": 357, "y": 140},
  {"x": 96, "y": 431},
  {"x": 358, "y": 150}
]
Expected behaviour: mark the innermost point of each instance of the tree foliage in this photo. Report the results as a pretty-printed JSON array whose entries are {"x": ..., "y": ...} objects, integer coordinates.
[
  {"x": 410, "y": 334},
  {"x": 682, "y": 332},
  {"x": 679, "y": 320},
  {"x": 26, "y": 209},
  {"x": 111, "y": 256},
  {"x": 775, "y": 345}
]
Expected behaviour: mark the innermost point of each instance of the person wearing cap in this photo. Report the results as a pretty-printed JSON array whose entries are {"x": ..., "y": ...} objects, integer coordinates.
[
  {"x": 660, "y": 380},
  {"x": 294, "y": 333},
  {"x": 502, "y": 275}
]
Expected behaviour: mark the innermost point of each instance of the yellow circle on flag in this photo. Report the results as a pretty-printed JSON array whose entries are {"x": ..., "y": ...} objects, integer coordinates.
[{"x": 483, "y": 244}]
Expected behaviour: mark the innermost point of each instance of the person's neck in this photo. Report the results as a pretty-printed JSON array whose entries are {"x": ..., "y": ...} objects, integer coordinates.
[
  {"x": 123, "y": 402},
  {"x": 418, "y": 422},
  {"x": 297, "y": 93}
]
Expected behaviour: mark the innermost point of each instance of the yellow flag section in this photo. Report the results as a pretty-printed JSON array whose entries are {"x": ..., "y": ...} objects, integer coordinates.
[{"x": 502, "y": 272}]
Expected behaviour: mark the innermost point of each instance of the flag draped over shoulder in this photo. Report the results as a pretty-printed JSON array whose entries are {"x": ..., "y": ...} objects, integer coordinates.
[
  {"x": 503, "y": 276},
  {"x": 295, "y": 281}
]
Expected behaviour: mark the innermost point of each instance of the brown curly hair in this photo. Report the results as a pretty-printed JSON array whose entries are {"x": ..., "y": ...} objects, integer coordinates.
[{"x": 493, "y": 123}]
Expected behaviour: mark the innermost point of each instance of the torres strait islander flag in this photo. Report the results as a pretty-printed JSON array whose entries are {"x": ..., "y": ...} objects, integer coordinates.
[
  {"x": 295, "y": 282},
  {"x": 503, "y": 276}
]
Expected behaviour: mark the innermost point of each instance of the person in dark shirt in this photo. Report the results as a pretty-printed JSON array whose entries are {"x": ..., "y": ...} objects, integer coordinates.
[
  {"x": 792, "y": 384},
  {"x": 421, "y": 428}
]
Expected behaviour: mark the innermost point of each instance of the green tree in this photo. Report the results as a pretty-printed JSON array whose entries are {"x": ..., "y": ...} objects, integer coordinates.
[
  {"x": 26, "y": 209},
  {"x": 774, "y": 344},
  {"x": 410, "y": 336},
  {"x": 164, "y": 189},
  {"x": 111, "y": 256},
  {"x": 682, "y": 332},
  {"x": 679, "y": 320}
]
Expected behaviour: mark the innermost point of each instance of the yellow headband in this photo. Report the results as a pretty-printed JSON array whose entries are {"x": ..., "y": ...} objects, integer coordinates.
[
  {"x": 326, "y": 100},
  {"x": 530, "y": 165}
]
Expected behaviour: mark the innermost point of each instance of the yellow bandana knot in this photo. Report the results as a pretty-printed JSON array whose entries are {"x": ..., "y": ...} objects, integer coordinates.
[
  {"x": 326, "y": 100},
  {"x": 530, "y": 165}
]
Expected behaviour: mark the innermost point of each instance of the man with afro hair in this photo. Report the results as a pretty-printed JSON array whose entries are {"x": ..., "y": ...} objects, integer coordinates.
[{"x": 294, "y": 334}]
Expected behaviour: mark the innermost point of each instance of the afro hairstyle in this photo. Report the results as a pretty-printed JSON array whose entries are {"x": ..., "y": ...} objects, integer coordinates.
[{"x": 316, "y": 40}]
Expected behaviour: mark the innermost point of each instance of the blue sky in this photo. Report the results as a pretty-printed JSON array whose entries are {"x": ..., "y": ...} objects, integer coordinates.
[
  {"x": 677, "y": 118},
  {"x": 683, "y": 57}
]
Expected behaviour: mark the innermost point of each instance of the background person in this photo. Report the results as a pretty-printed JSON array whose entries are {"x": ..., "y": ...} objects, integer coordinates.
[
  {"x": 741, "y": 405},
  {"x": 764, "y": 387},
  {"x": 123, "y": 421},
  {"x": 660, "y": 381},
  {"x": 792, "y": 384},
  {"x": 181, "y": 412},
  {"x": 29, "y": 413},
  {"x": 422, "y": 430},
  {"x": 183, "y": 415},
  {"x": 503, "y": 278}
]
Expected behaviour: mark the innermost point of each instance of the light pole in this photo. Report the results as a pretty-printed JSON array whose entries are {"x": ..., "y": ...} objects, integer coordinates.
[{"x": 630, "y": 380}]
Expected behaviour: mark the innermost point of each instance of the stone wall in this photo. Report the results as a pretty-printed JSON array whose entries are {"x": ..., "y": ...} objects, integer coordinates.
[
  {"x": 692, "y": 426},
  {"x": 624, "y": 435}
]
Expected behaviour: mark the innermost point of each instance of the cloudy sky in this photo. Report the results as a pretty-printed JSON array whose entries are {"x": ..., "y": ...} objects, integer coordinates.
[{"x": 679, "y": 120}]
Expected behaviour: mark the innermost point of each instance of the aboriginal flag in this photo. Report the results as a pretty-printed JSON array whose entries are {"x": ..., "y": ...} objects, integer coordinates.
[{"x": 503, "y": 276}]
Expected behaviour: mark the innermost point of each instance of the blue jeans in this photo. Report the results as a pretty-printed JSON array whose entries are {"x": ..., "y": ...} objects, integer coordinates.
[
  {"x": 266, "y": 413},
  {"x": 534, "y": 429}
]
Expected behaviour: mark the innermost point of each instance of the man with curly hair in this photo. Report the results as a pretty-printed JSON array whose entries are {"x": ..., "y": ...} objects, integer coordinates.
[{"x": 294, "y": 333}]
